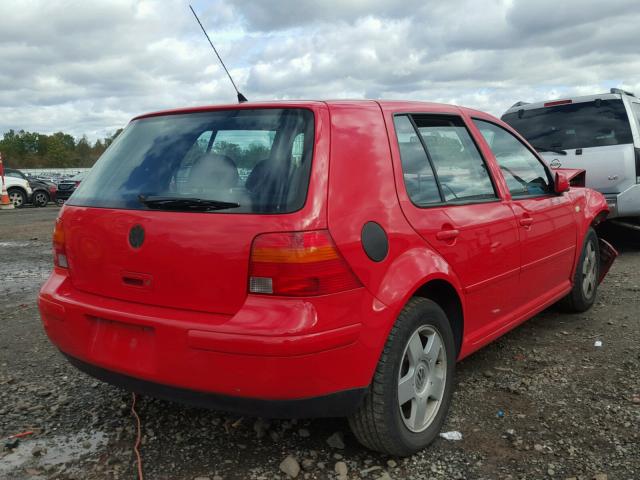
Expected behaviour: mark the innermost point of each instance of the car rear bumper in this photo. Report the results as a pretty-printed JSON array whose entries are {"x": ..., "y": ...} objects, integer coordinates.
[
  {"x": 336, "y": 404},
  {"x": 324, "y": 349}
]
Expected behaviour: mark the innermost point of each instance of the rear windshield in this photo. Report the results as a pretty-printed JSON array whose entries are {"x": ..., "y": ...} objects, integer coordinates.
[
  {"x": 575, "y": 125},
  {"x": 239, "y": 161}
]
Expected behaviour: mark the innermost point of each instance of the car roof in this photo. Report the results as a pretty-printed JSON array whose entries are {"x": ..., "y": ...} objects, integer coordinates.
[
  {"x": 386, "y": 105},
  {"x": 578, "y": 99}
]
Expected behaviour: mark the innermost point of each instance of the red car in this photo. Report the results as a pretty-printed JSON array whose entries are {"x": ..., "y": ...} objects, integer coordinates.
[{"x": 298, "y": 259}]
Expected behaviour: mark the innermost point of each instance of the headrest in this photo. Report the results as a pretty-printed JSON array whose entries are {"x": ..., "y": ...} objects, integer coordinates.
[
  {"x": 414, "y": 158},
  {"x": 214, "y": 171}
]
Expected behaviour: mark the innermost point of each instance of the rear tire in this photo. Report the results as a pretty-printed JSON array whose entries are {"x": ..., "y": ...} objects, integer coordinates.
[
  {"x": 17, "y": 197},
  {"x": 585, "y": 281},
  {"x": 411, "y": 390}
]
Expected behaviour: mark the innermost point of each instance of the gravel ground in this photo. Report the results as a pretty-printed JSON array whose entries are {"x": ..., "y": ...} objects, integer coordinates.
[{"x": 541, "y": 402}]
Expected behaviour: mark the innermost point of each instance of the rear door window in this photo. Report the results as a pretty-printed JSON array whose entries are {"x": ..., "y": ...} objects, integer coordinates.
[
  {"x": 524, "y": 173},
  {"x": 576, "y": 125},
  {"x": 440, "y": 161},
  {"x": 419, "y": 178},
  {"x": 244, "y": 161}
]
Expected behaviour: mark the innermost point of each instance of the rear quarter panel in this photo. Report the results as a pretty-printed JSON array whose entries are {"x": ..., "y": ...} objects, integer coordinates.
[{"x": 362, "y": 189}]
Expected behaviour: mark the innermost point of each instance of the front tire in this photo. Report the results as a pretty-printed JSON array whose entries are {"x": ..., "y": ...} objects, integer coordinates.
[
  {"x": 411, "y": 390},
  {"x": 585, "y": 280},
  {"x": 17, "y": 197}
]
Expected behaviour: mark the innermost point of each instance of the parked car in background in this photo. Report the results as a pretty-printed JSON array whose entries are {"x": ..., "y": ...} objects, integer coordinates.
[
  {"x": 43, "y": 191},
  {"x": 68, "y": 186},
  {"x": 18, "y": 188},
  {"x": 371, "y": 246},
  {"x": 598, "y": 133}
]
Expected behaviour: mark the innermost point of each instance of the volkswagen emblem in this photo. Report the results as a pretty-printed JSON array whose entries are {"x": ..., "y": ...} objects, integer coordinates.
[
  {"x": 555, "y": 163},
  {"x": 136, "y": 236}
]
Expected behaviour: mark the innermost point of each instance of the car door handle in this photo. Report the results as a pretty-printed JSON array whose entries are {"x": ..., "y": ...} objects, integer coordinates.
[
  {"x": 526, "y": 221},
  {"x": 447, "y": 234}
]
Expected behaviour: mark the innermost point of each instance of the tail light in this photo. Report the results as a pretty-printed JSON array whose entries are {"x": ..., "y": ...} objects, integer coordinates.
[
  {"x": 77, "y": 183},
  {"x": 53, "y": 188},
  {"x": 59, "y": 251},
  {"x": 298, "y": 264},
  {"x": 637, "y": 165}
]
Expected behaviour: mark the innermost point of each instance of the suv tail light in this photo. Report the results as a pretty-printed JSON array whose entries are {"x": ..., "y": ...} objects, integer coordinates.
[
  {"x": 557, "y": 102},
  {"x": 637, "y": 165},
  {"x": 298, "y": 264},
  {"x": 59, "y": 252}
]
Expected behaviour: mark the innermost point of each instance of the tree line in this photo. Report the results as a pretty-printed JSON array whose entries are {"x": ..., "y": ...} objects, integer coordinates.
[{"x": 22, "y": 149}]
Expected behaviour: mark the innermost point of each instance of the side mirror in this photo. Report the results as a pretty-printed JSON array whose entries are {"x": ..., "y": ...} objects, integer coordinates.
[{"x": 561, "y": 183}]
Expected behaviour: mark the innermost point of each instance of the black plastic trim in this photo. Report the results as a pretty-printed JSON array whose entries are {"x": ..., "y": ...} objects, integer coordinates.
[{"x": 338, "y": 404}]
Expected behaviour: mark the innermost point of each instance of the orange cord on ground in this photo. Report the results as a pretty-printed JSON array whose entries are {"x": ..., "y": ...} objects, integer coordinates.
[{"x": 136, "y": 446}]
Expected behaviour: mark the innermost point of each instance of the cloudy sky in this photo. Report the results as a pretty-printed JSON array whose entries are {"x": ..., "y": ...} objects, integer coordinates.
[{"x": 87, "y": 67}]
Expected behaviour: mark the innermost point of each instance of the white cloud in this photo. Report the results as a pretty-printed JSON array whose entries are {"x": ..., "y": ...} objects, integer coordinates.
[{"x": 88, "y": 67}]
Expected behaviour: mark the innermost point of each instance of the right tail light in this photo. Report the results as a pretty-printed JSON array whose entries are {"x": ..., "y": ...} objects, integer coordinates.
[{"x": 298, "y": 264}]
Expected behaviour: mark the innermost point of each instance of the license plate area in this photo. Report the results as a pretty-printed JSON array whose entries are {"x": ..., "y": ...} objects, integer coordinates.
[{"x": 123, "y": 346}]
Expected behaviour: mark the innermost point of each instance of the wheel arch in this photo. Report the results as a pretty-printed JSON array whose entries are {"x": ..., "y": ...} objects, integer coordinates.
[
  {"x": 18, "y": 187},
  {"x": 447, "y": 297},
  {"x": 422, "y": 272}
]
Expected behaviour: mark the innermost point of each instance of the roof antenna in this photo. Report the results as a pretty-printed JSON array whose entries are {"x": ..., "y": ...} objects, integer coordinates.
[{"x": 241, "y": 97}]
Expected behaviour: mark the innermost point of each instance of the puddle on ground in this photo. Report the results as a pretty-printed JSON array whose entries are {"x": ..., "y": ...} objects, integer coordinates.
[
  {"x": 16, "y": 244},
  {"x": 55, "y": 451}
]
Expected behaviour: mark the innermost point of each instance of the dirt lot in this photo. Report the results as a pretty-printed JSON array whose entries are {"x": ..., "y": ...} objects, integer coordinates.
[{"x": 542, "y": 402}]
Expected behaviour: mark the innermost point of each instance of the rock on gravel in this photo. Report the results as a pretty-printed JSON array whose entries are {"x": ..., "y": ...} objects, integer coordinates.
[
  {"x": 336, "y": 440},
  {"x": 290, "y": 466},
  {"x": 341, "y": 469}
]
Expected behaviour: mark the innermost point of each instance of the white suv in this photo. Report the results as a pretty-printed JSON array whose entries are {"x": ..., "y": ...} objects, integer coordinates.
[
  {"x": 18, "y": 189},
  {"x": 597, "y": 133}
]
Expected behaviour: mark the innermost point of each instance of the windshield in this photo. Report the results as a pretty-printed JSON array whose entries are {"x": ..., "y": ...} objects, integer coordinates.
[
  {"x": 575, "y": 125},
  {"x": 253, "y": 161}
]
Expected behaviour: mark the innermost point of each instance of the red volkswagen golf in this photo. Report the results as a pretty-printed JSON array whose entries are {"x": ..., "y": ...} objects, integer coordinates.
[{"x": 297, "y": 259}]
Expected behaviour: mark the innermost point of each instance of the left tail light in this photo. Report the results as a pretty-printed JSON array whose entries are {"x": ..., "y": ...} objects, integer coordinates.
[
  {"x": 59, "y": 251},
  {"x": 298, "y": 264}
]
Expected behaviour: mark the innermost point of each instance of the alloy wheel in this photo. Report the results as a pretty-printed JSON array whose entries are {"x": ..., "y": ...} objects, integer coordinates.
[
  {"x": 422, "y": 378},
  {"x": 40, "y": 199},
  {"x": 589, "y": 271},
  {"x": 16, "y": 199}
]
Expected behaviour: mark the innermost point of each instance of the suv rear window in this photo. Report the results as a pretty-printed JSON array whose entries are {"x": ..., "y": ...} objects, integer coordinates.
[
  {"x": 574, "y": 125},
  {"x": 239, "y": 161}
]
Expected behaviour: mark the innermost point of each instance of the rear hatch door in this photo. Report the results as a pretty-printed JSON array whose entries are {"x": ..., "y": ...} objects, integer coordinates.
[
  {"x": 610, "y": 169},
  {"x": 168, "y": 215}
]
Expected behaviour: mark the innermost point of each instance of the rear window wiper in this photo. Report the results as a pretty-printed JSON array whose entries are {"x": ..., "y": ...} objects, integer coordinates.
[
  {"x": 184, "y": 203},
  {"x": 549, "y": 149}
]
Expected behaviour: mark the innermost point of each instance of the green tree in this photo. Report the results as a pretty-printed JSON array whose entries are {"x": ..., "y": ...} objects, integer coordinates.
[{"x": 22, "y": 149}]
